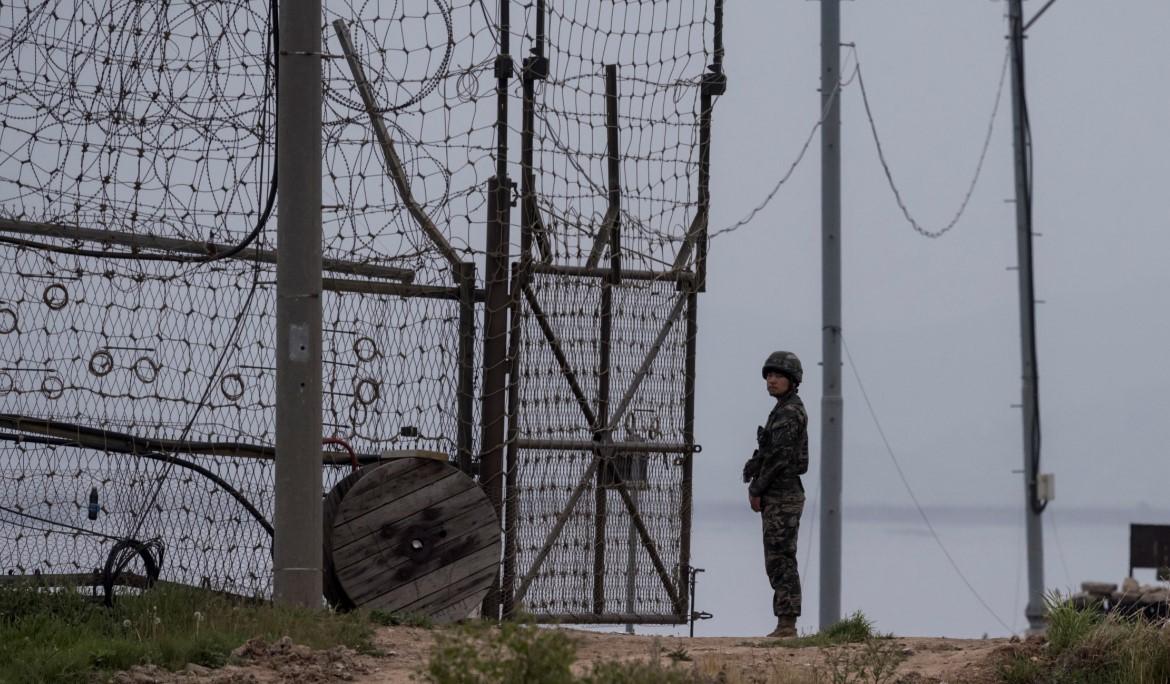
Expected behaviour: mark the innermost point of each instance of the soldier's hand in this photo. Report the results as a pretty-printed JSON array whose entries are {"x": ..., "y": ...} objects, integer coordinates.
[{"x": 757, "y": 505}]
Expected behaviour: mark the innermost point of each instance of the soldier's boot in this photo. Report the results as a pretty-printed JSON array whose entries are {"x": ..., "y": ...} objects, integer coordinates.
[{"x": 785, "y": 628}]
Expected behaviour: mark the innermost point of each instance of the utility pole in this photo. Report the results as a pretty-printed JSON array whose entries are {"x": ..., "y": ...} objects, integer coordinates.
[
  {"x": 831, "y": 402},
  {"x": 296, "y": 545},
  {"x": 1030, "y": 403}
]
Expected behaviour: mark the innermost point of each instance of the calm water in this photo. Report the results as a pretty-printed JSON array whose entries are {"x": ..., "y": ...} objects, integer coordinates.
[{"x": 894, "y": 571}]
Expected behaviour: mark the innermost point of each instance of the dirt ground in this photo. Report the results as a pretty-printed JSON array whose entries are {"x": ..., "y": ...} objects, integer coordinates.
[{"x": 404, "y": 653}]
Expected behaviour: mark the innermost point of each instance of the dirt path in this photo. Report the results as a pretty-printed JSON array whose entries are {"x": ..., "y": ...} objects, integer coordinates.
[
  {"x": 922, "y": 660},
  {"x": 404, "y": 654}
]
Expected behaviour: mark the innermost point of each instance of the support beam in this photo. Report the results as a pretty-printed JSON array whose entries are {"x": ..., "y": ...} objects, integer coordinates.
[
  {"x": 466, "y": 390},
  {"x": 832, "y": 405},
  {"x": 393, "y": 162},
  {"x": 60, "y": 231},
  {"x": 296, "y": 546},
  {"x": 1029, "y": 386}
]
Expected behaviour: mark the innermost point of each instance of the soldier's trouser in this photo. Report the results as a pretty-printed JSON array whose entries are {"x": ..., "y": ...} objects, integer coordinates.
[{"x": 781, "y": 518}]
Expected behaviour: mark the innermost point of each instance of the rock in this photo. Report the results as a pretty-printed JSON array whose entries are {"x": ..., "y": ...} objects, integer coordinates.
[
  {"x": 1155, "y": 595},
  {"x": 197, "y": 670},
  {"x": 1098, "y": 588},
  {"x": 1126, "y": 597},
  {"x": 1129, "y": 585}
]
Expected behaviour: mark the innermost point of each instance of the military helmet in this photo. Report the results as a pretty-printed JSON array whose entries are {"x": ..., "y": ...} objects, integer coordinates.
[{"x": 786, "y": 363}]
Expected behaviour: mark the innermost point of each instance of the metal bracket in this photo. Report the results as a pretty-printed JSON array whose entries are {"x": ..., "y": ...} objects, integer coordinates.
[
  {"x": 535, "y": 68},
  {"x": 503, "y": 66},
  {"x": 714, "y": 81}
]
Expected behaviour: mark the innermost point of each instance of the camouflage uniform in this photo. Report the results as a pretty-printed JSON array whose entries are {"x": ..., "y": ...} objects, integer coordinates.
[{"x": 774, "y": 471}]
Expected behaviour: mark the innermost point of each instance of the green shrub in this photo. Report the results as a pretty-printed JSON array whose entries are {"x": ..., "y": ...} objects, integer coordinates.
[
  {"x": 387, "y": 619},
  {"x": 56, "y": 634},
  {"x": 1067, "y": 624},
  {"x": 512, "y": 653},
  {"x": 639, "y": 672}
]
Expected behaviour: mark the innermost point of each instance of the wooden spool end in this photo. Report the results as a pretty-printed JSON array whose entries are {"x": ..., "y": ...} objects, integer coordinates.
[{"x": 411, "y": 535}]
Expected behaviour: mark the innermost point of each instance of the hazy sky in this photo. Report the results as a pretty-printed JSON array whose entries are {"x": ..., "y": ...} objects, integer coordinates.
[{"x": 933, "y": 325}]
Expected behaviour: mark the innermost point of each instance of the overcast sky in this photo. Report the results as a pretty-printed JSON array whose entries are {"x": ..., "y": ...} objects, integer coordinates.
[{"x": 933, "y": 324}]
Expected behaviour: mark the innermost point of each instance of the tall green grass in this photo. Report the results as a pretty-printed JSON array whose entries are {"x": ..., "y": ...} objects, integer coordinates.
[
  {"x": 1086, "y": 647},
  {"x": 58, "y": 635}
]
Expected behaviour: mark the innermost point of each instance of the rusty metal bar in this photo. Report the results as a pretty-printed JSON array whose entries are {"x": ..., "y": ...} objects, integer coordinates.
[
  {"x": 393, "y": 162},
  {"x": 607, "y": 619},
  {"x": 559, "y": 354},
  {"x": 601, "y": 239},
  {"x": 687, "y": 493},
  {"x": 396, "y": 289},
  {"x": 705, "y": 101},
  {"x": 626, "y": 274},
  {"x": 466, "y": 389},
  {"x": 551, "y": 538},
  {"x": 496, "y": 260},
  {"x": 511, "y": 492},
  {"x": 697, "y": 228},
  {"x": 601, "y": 435},
  {"x": 615, "y": 167},
  {"x": 535, "y": 69},
  {"x": 112, "y": 237},
  {"x": 584, "y": 445},
  {"x": 495, "y": 364}
]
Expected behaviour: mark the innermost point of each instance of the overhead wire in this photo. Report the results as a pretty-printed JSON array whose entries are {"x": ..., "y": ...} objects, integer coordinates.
[
  {"x": 978, "y": 166},
  {"x": 751, "y": 215},
  {"x": 910, "y": 491}
]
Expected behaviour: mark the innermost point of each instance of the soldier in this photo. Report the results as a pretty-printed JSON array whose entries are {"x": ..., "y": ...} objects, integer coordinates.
[{"x": 775, "y": 490}]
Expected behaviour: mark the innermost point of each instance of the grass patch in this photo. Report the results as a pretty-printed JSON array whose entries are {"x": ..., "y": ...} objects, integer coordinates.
[
  {"x": 854, "y": 629},
  {"x": 1085, "y": 647},
  {"x": 386, "y": 619},
  {"x": 58, "y": 635}
]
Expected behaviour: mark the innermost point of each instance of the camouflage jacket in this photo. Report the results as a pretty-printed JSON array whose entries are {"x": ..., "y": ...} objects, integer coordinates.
[{"x": 782, "y": 456}]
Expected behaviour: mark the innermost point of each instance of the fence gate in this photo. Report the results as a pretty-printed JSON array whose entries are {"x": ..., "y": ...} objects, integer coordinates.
[{"x": 602, "y": 437}]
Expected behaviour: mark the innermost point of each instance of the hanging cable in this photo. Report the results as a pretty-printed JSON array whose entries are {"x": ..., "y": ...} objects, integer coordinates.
[
  {"x": 909, "y": 490},
  {"x": 978, "y": 166}
]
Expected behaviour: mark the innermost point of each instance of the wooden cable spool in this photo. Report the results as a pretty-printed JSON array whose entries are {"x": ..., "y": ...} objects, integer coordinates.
[{"x": 411, "y": 535}]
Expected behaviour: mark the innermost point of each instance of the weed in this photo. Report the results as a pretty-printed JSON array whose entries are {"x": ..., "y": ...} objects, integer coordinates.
[
  {"x": 1085, "y": 647},
  {"x": 852, "y": 630},
  {"x": 639, "y": 672},
  {"x": 512, "y": 653},
  {"x": 55, "y": 634},
  {"x": 875, "y": 662},
  {"x": 679, "y": 655},
  {"x": 1021, "y": 668},
  {"x": 1067, "y": 624},
  {"x": 386, "y": 619}
]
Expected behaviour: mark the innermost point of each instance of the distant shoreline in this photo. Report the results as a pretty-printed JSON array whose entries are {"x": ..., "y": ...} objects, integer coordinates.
[{"x": 964, "y": 514}]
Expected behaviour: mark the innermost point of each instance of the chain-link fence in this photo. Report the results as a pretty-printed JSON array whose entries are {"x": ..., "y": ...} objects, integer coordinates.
[{"x": 137, "y": 276}]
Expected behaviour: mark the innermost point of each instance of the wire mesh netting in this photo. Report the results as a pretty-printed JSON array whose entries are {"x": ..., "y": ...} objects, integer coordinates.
[
  {"x": 137, "y": 277},
  {"x": 138, "y": 143},
  {"x": 596, "y": 464},
  {"x": 597, "y": 564}
]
